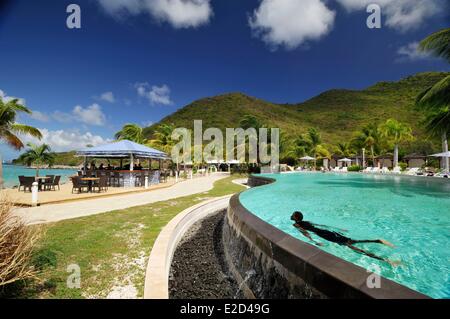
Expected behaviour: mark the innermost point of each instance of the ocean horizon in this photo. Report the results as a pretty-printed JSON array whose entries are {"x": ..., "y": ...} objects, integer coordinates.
[{"x": 11, "y": 173}]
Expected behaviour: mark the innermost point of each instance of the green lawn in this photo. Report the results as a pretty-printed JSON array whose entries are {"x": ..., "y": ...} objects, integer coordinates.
[{"x": 111, "y": 249}]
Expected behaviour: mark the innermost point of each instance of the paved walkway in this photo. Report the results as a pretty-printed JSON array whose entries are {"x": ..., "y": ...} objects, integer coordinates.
[{"x": 56, "y": 212}]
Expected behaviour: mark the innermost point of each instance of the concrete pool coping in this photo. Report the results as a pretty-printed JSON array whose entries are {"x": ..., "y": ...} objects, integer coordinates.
[{"x": 331, "y": 275}]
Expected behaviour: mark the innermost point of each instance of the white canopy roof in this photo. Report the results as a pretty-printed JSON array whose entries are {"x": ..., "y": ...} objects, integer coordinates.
[
  {"x": 307, "y": 158},
  {"x": 345, "y": 160},
  {"x": 444, "y": 154}
]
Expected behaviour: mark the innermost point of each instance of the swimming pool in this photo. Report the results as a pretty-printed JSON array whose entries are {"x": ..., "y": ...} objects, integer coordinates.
[{"x": 411, "y": 212}]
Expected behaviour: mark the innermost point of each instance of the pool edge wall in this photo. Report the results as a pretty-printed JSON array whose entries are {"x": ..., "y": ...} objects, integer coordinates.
[{"x": 274, "y": 264}]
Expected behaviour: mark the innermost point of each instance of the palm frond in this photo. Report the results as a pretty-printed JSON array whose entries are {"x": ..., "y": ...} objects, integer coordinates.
[
  {"x": 11, "y": 139},
  {"x": 438, "y": 44},
  {"x": 26, "y": 129}
]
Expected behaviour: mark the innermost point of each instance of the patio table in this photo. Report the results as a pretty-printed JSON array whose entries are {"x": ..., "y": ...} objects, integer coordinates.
[{"x": 40, "y": 179}]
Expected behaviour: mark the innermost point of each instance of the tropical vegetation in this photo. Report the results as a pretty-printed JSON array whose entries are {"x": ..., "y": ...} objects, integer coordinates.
[
  {"x": 37, "y": 155},
  {"x": 435, "y": 100},
  {"x": 10, "y": 130}
]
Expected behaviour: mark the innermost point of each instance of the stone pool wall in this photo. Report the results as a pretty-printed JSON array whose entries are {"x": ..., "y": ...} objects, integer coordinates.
[{"x": 273, "y": 264}]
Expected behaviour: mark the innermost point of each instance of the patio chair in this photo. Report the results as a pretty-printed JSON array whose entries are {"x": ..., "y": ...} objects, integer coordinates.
[
  {"x": 396, "y": 170},
  {"x": 21, "y": 182},
  {"x": 139, "y": 179},
  {"x": 47, "y": 184},
  {"x": 101, "y": 184},
  {"x": 54, "y": 183},
  {"x": 78, "y": 184},
  {"x": 163, "y": 177},
  {"x": 368, "y": 169},
  {"x": 28, "y": 183}
]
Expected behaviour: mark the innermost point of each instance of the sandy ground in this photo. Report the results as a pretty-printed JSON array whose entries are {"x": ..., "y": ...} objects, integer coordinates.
[
  {"x": 56, "y": 212},
  {"x": 64, "y": 194}
]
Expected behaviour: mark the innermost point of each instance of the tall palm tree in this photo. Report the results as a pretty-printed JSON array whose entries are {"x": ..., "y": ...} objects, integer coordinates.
[
  {"x": 369, "y": 138},
  {"x": 396, "y": 133},
  {"x": 9, "y": 129},
  {"x": 435, "y": 100},
  {"x": 309, "y": 143},
  {"x": 37, "y": 155},
  {"x": 131, "y": 132},
  {"x": 162, "y": 137},
  {"x": 250, "y": 121},
  {"x": 344, "y": 149}
]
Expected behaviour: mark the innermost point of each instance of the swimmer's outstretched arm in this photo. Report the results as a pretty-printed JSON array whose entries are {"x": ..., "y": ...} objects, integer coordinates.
[{"x": 307, "y": 235}]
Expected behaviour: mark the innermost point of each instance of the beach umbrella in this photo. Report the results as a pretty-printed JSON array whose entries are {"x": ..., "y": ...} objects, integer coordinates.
[
  {"x": 444, "y": 154},
  {"x": 345, "y": 160}
]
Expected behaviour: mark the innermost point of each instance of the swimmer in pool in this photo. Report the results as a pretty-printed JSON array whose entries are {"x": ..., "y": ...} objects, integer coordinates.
[{"x": 336, "y": 237}]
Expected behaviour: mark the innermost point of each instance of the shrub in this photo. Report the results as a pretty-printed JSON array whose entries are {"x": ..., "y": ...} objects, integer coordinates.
[
  {"x": 354, "y": 168},
  {"x": 17, "y": 242},
  {"x": 403, "y": 166}
]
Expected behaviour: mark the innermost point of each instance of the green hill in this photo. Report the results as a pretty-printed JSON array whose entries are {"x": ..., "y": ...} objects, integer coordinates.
[{"x": 335, "y": 113}]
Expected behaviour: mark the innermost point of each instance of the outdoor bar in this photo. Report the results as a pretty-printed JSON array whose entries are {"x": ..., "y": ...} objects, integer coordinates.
[{"x": 126, "y": 150}]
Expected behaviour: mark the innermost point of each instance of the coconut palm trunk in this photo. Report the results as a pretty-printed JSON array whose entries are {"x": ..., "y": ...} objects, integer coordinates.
[
  {"x": 396, "y": 155},
  {"x": 445, "y": 149},
  {"x": 372, "y": 151},
  {"x": 1, "y": 172}
]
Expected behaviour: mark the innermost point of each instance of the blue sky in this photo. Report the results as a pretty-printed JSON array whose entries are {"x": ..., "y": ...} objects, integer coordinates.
[{"x": 140, "y": 60}]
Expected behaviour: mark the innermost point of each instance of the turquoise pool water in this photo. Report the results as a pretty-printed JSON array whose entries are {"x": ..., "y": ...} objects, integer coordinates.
[
  {"x": 412, "y": 213},
  {"x": 11, "y": 173}
]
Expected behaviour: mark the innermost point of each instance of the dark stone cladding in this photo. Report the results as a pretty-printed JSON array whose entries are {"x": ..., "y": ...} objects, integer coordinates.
[{"x": 277, "y": 265}]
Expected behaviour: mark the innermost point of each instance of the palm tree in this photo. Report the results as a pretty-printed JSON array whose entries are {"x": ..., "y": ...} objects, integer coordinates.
[
  {"x": 131, "y": 132},
  {"x": 37, "y": 155},
  {"x": 369, "y": 138},
  {"x": 9, "y": 128},
  {"x": 250, "y": 121},
  {"x": 344, "y": 149},
  {"x": 435, "y": 100},
  {"x": 162, "y": 137},
  {"x": 309, "y": 143},
  {"x": 396, "y": 133}
]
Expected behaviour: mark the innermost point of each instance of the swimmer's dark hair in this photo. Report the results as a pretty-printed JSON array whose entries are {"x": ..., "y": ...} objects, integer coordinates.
[{"x": 297, "y": 216}]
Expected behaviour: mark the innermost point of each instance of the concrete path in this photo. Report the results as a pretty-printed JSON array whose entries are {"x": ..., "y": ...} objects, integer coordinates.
[{"x": 57, "y": 212}]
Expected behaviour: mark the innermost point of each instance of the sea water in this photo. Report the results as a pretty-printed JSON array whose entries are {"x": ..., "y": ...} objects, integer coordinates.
[{"x": 11, "y": 174}]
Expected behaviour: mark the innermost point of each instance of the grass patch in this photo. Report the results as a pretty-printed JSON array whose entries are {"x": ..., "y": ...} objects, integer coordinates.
[{"x": 111, "y": 249}]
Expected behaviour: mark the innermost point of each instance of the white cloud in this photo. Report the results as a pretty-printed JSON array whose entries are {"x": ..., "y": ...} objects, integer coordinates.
[
  {"x": 291, "y": 23},
  {"x": 91, "y": 115},
  {"x": 410, "y": 52},
  {"x": 179, "y": 13},
  {"x": 7, "y": 98},
  {"x": 66, "y": 140},
  {"x": 39, "y": 116},
  {"x": 62, "y": 117},
  {"x": 155, "y": 94},
  {"x": 402, "y": 15},
  {"x": 108, "y": 97}
]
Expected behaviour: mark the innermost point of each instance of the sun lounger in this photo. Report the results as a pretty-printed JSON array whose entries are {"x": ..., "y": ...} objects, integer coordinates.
[
  {"x": 396, "y": 170},
  {"x": 385, "y": 170}
]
